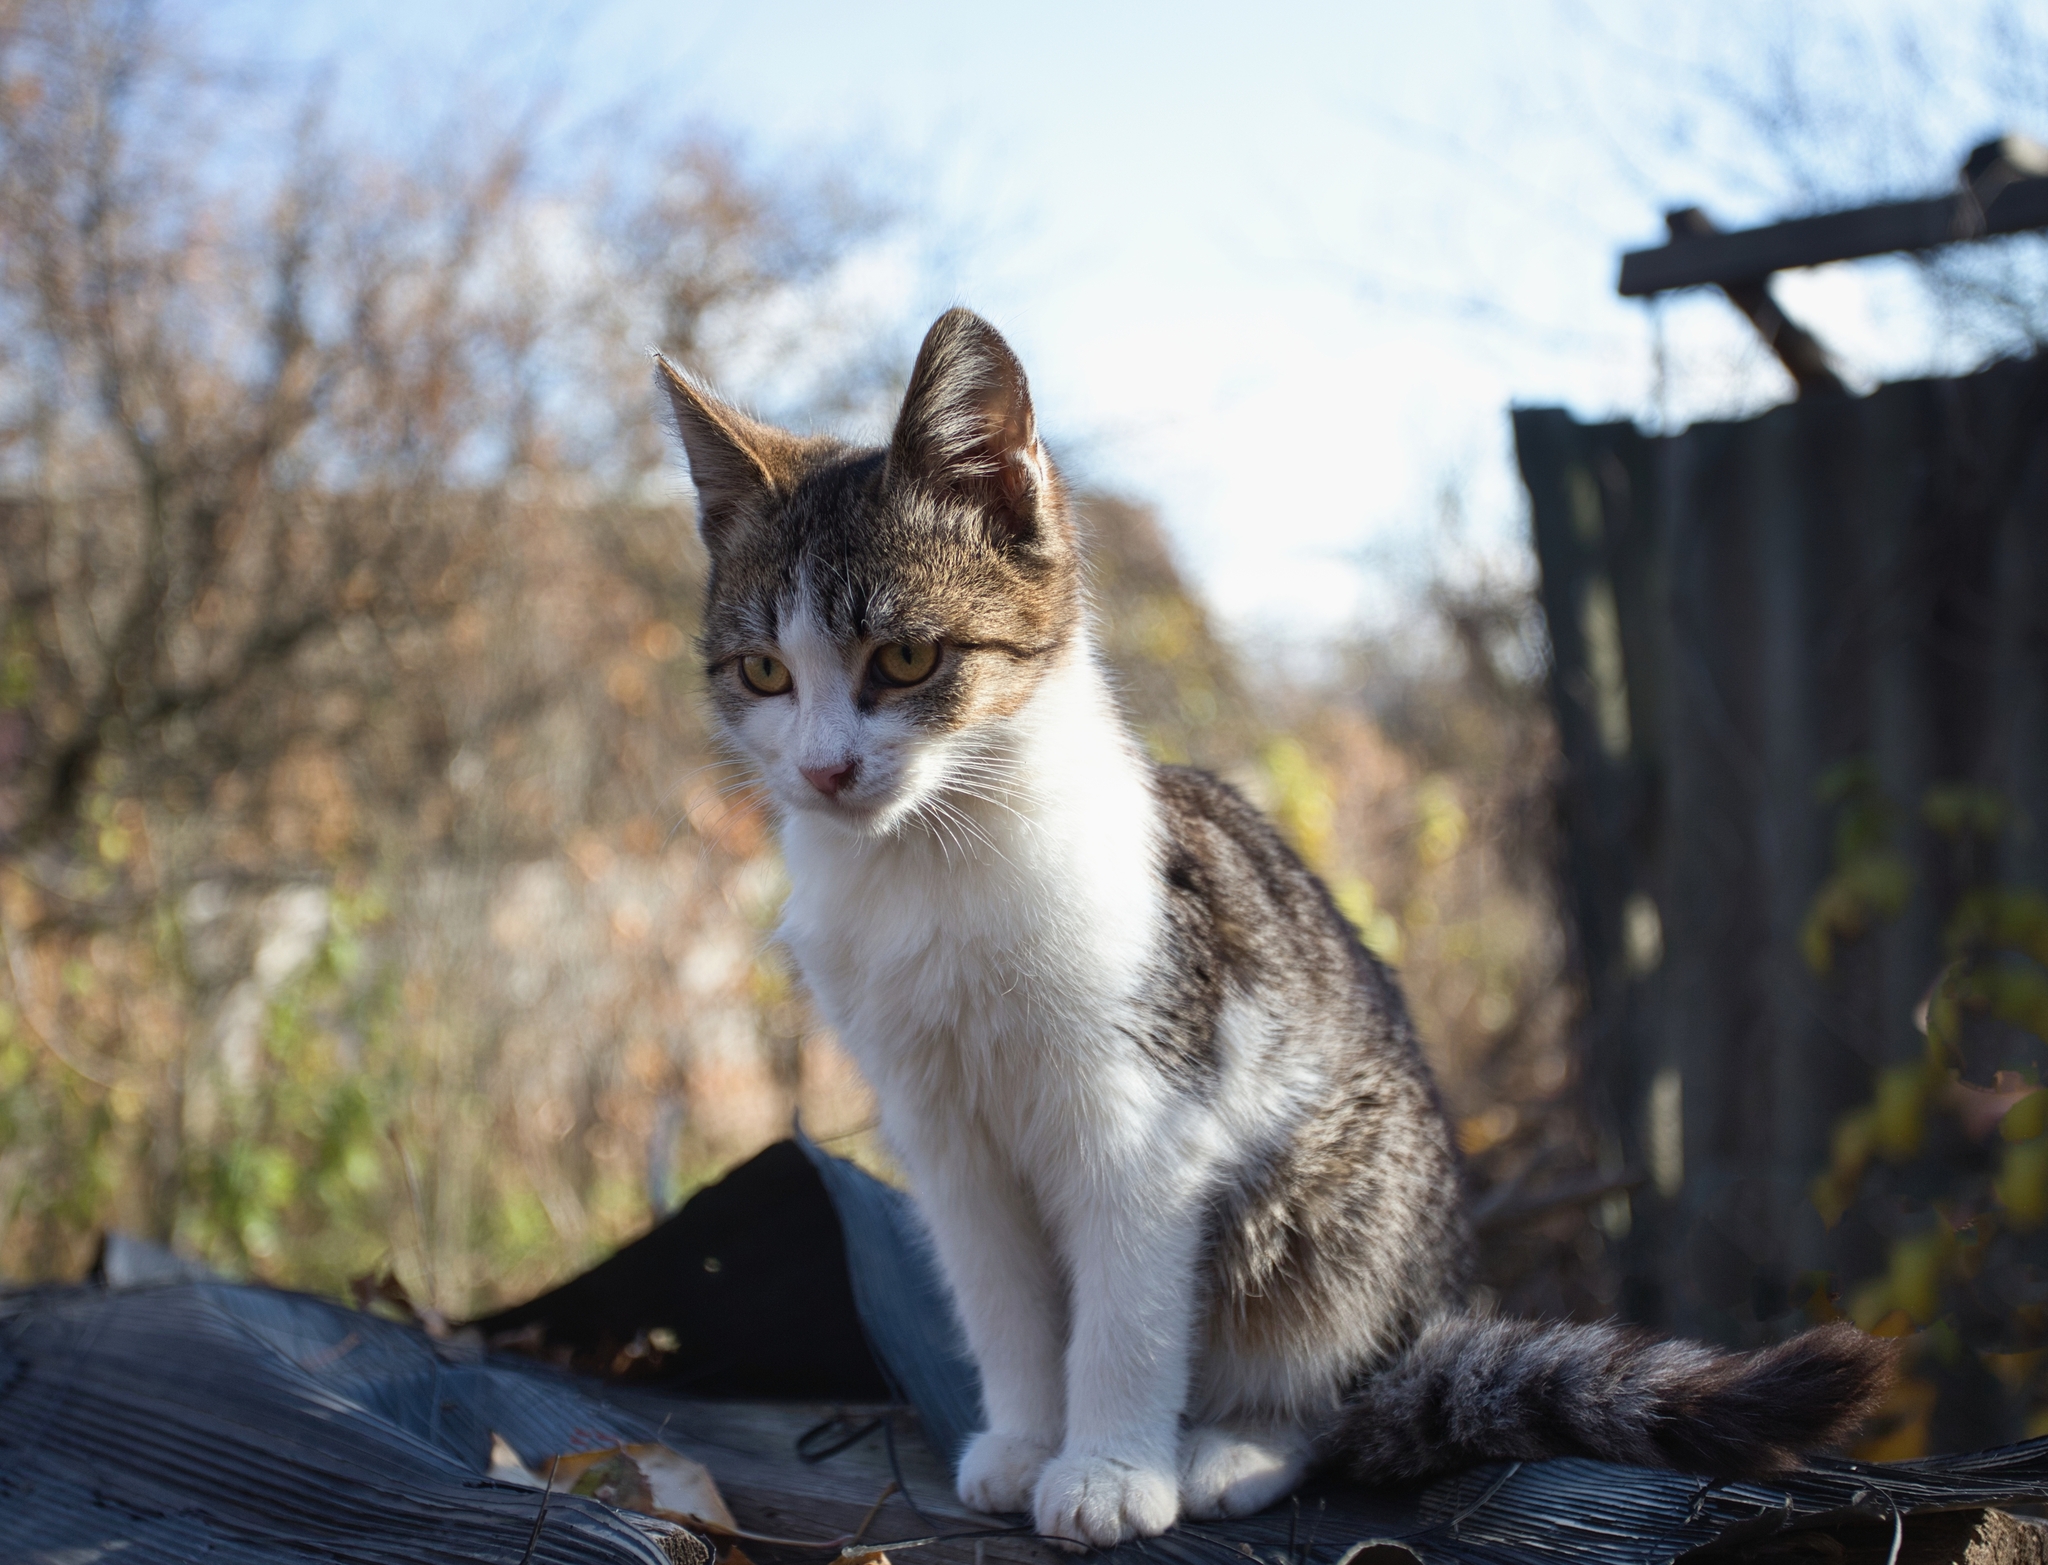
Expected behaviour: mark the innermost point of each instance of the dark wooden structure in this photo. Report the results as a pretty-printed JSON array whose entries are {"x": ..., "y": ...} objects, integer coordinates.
[
  {"x": 2002, "y": 189},
  {"x": 1736, "y": 612}
]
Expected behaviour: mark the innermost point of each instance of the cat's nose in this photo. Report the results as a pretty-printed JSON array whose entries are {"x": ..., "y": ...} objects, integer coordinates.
[{"x": 828, "y": 780}]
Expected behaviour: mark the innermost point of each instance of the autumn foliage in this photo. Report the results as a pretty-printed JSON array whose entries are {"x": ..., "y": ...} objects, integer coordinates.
[{"x": 371, "y": 891}]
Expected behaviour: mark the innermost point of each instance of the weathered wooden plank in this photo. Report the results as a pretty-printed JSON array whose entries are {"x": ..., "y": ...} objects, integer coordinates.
[
  {"x": 1804, "y": 358},
  {"x": 1752, "y": 253},
  {"x": 1594, "y": 504},
  {"x": 750, "y": 1448}
]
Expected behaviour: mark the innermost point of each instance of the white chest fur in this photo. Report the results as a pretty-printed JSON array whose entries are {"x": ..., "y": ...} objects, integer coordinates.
[{"x": 978, "y": 976}]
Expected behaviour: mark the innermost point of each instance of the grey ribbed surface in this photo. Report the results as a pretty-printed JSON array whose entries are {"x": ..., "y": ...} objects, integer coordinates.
[
  {"x": 903, "y": 1303},
  {"x": 208, "y": 1422},
  {"x": 218, "y": 1423}
]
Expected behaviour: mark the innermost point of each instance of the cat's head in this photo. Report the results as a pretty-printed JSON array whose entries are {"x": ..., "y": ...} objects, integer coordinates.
[{"x": 875, "y": 617}]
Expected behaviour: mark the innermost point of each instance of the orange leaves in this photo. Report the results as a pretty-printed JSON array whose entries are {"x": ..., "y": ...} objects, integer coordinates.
[{"x": 646, "y": 1478}]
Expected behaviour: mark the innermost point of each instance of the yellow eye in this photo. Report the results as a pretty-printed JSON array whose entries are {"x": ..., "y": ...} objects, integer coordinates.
[
  {"x": 906, "y": 662},
  {"x": 765, "y": 676}
]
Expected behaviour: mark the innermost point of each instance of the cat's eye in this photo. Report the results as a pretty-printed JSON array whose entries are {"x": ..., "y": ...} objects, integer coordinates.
[
  {"x": 906, "y": 662},
  {"x": 765, "y": 676}
]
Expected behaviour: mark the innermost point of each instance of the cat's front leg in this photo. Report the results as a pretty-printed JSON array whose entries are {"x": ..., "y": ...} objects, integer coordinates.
[
  {"x": 1000, "y": 1265},
  {"x": 1131, "y": 1250}
]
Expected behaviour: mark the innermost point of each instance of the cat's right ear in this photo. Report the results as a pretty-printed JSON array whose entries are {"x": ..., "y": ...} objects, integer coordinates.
[
  {"x": 967, "y": 426},
  {"x": 733, "y": 458}
]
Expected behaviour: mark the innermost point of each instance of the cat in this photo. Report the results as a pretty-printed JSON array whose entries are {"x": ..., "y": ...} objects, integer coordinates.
[{"x": 1182, "y": 1164}]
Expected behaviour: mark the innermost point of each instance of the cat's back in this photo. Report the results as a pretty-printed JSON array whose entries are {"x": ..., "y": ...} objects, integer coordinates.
[
  {"x": 1341, "y": 1226},
  {"x": 1242, "y": 906}
]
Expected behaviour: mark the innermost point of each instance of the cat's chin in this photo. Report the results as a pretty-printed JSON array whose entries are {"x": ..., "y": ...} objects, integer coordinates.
[{"x": 856, "y": 818}]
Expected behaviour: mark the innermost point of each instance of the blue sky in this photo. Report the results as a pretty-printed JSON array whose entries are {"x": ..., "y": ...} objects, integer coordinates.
[{"x": 1282, "y": 270}]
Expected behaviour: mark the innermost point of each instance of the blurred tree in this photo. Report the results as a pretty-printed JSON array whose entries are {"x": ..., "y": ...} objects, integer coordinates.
[
  {"x": 202, "y": 327},
  {"x": 328, "y": 490},
  {"x": 370, "y": 891}
]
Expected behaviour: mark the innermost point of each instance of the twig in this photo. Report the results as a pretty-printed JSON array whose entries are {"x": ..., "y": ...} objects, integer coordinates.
[
  {"x": 874, "y": 1510},
  {"x": 896, "y": 1469},
  {"x": 541, "y": 1515},
  {"x": 419, "y": 1217},
  {"x": 1493, "y": 1489},
  {"x": 846, "y": 1433},
  {"x": 744, "y": 1536},
  {"x": 1898, "y": 1525},
  {"x": 1308, "y": 1549}
]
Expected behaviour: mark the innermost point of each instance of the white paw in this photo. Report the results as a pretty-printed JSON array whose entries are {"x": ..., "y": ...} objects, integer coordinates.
[
  {"x": 1230, "y": 1472},
  {"x": 999, "y": 1472},
  {"x": 1100, "y": 1501}
]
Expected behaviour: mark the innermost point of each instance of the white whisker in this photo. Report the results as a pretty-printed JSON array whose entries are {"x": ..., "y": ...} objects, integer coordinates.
[
  {"x": 967, "y": 825},
  {"x": 935, "y": 815}
]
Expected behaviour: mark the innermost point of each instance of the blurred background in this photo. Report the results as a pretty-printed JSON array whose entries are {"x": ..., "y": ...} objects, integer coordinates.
[{"x": 371, "y": 894}]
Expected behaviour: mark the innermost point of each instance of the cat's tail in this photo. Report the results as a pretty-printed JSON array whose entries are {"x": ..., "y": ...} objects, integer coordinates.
[{"x": 1471, "y": 1390}]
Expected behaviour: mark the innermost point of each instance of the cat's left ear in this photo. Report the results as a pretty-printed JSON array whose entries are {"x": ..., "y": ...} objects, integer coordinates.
[
  {"x": 735, "y": 461},
  {"x": 967, "y": 426}
]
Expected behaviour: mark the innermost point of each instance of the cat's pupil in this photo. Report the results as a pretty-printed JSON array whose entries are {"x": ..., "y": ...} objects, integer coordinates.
[
  {"x": 908, "y": 661},
  {"x": 764, "y": 674}
]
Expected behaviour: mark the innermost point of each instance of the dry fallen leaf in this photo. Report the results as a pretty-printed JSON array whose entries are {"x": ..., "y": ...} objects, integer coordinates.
[
  {"x": 648, "y": 1478},
  {"x": 682, "y": 1488},
  {"x": 613, "y": 1477},
  {"x": 506, "y": 1467}
]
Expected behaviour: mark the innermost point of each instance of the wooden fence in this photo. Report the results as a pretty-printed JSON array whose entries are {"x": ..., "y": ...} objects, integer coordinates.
[{"x": 1779, "y": 644}]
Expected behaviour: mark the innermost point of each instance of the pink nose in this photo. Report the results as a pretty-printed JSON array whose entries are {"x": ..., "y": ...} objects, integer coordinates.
[{"x": 828, "y": 780}]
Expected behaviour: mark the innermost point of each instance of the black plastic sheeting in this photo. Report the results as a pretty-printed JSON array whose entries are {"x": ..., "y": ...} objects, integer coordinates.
[
  {"x": 751, "y": 1277},
  {"x": 208, "y": 1422}
]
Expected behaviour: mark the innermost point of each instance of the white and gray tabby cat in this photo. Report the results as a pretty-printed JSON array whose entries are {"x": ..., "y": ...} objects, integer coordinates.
[{"x": 1182, "y": 1163}]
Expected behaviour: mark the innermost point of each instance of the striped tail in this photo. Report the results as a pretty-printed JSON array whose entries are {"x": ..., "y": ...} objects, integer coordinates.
[{"x": 1479, "y": 1390}]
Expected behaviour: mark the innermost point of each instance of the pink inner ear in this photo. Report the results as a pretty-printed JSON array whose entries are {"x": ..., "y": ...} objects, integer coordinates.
[
  {"x": 1010, "y": 439},
  {"x": 1018, "y": 475},
  {"x": 1012, "y": 428}
]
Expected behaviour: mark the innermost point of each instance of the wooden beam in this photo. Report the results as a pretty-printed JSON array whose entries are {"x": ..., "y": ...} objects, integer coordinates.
[
  {"x": 2019, "y": 206},
  {"x": 1805, "y": 360}
]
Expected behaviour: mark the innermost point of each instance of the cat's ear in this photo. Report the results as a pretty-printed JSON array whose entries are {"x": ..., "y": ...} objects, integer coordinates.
[
  {"x": 967, "y": 426},
  {"x": 735, "y": 460}
]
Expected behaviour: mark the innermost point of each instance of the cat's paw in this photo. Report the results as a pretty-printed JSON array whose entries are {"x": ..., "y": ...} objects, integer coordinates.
[
  {"x": 1100, "y": 1501},
  {"x": 999, "y": 1472},
  {"x": 1230, "y": 1472}
]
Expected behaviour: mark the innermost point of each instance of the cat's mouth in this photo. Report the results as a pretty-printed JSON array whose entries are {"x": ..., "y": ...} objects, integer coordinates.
[
  {"x": 858, "y": 811},
  {"x": 868, "y": 797}
]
